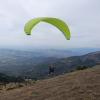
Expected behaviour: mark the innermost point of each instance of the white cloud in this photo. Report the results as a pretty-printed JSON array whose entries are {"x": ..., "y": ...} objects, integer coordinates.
[{"x": 82, "y": 17}]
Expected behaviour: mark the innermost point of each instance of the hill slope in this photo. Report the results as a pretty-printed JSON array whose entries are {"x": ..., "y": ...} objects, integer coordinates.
[
  {"x": 63, "y": 64},
  {"x": 79, "y": 85}
]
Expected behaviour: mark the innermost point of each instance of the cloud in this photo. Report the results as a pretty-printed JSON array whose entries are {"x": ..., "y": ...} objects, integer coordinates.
[{"x": 82, "y": 17}]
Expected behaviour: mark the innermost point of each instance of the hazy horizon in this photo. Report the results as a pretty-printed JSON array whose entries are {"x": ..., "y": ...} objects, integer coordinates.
[{"x": 82, "y": 50}]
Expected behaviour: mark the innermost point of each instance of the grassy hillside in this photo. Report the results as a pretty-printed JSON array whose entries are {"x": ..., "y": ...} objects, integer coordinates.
[{"x": 78, "y": 85}]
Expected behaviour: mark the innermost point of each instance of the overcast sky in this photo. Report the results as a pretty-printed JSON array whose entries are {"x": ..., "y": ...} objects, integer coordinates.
[{"x": 82, "y": 17}]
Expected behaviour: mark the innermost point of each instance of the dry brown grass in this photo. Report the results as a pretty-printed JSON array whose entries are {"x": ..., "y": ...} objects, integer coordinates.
[{"x": 80, "y": 85}]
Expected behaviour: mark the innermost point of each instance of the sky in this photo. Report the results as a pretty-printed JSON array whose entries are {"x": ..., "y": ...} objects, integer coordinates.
[{"x": 81, "y": 16}]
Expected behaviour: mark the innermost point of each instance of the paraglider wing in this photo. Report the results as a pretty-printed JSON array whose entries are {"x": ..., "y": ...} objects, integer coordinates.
[{"x": 54, "y": 21}]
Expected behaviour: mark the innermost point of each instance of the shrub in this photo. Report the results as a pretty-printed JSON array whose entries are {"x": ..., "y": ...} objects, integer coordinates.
[
  {"x": 81, "y": 67},
  {"x": 78, "y": 68},
  {"x": 84, "y": 67}
]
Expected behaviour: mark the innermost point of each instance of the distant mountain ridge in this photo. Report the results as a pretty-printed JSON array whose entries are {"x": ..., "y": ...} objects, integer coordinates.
[
  {"x": 57, "y": 53},
  {"x": 12, "y": 61},
  {"x": 63, "y": 64},
  {"x": 35, "y": 64},
  {"x": 39, "y": 53}
]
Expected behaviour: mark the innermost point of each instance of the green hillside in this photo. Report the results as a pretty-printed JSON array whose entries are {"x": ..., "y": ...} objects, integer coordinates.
[{"x": 63, "y": 65}]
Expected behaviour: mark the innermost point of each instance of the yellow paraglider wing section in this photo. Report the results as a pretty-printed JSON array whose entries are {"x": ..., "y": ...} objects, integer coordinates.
[{"x": 54, "y": 21}]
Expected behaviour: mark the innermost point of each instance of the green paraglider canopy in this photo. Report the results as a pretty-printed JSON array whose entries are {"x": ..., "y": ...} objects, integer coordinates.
[{"x": 54, "y": 21}]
